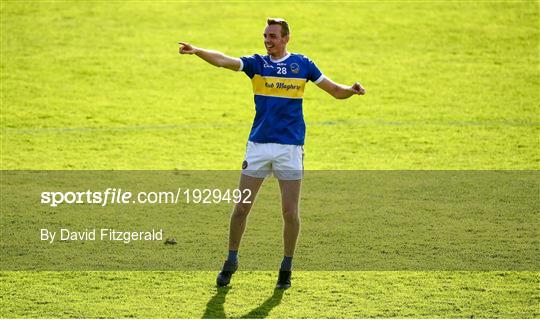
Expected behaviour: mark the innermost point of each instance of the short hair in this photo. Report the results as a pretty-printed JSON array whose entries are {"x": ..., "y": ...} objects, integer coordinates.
[{"x": 284, "y": 25}]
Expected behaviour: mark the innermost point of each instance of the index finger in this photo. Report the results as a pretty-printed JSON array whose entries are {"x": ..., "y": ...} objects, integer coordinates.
[{"x": 182, "y": 43}]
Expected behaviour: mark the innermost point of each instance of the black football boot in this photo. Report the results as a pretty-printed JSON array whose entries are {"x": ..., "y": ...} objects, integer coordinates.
[
  {"x": 284, "y": 280},
  {"x": 225, "y": 275}
]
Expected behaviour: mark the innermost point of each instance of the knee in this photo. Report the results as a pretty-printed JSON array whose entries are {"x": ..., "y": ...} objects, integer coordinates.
[
  {"x": 241, "y": 210},
  {"x": 290, "y": 215}
]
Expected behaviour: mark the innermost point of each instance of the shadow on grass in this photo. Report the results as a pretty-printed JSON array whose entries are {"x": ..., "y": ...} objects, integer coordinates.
[
  {"x": 214, "y": 307},
  {"x": 264, "y": 309}
]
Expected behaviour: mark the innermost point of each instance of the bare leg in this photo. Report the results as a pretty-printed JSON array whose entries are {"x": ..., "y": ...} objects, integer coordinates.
[
  {"x": 290, "y": 198},
  {"x": 241, "y": 210}
]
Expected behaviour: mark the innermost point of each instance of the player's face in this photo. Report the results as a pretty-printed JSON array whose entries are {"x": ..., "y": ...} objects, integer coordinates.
[{"x": 273, "y": 41}]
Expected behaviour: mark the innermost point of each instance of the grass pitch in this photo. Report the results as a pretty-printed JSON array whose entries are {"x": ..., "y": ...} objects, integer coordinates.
[
  {"x": 91, "y": 85},
  {"x": 451, "y": 85},
  {"x": 322, "y": 294}
]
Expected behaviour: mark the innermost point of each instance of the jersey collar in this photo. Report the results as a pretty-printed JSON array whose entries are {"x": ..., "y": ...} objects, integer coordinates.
[{"x": 280, "y": 60}]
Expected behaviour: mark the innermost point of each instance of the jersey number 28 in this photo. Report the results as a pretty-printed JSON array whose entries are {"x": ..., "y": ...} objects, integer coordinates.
[{"x": 282, "y": 70}]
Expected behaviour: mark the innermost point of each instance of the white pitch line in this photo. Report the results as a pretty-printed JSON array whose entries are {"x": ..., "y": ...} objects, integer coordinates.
[{"x": 246, "y": 125}]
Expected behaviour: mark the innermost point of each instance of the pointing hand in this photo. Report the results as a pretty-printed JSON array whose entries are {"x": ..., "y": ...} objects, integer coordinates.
[{"x": 186, "y": 48}]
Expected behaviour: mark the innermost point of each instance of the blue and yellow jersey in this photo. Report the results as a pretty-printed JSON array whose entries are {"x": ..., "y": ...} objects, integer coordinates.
[{"x": 278, "y": 86}]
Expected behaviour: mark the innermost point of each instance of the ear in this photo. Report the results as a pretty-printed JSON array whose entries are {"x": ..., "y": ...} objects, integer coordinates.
[{"x": 286, "y": 38}]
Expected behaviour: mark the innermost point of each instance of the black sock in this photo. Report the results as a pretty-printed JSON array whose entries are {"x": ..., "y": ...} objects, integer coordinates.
[
  {"x": 286, "y": 264},
  {"x": 233, "y": 256}
]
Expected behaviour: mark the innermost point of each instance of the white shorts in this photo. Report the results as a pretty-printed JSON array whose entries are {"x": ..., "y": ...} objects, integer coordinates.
[{"x": 284, "y": 160}]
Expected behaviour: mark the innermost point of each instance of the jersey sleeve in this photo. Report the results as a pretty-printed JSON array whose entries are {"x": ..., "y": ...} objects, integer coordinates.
[
  {"x": 314, "y": 74},
  {"x": 248, "y": 65}
]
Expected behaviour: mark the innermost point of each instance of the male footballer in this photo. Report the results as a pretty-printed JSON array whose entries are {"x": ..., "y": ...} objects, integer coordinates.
[{"x": 275, "y": 144}]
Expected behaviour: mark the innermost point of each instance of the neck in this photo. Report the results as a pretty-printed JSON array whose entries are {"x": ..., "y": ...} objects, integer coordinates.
[{"x": 280, "y": 55}]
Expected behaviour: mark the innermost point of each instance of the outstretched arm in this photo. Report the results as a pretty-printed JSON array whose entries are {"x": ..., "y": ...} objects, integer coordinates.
[
  {"x": 340, "y": 91},
  {"x": 215, "y": 58}
]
